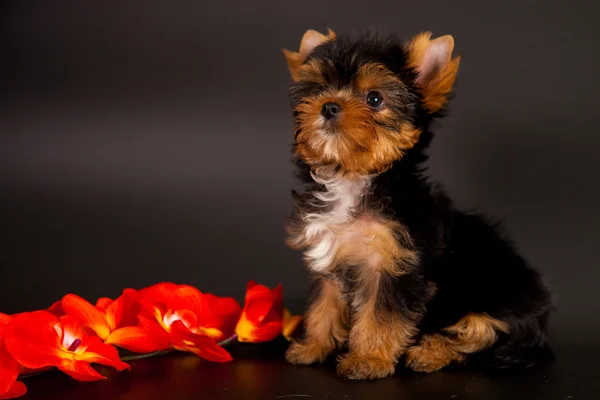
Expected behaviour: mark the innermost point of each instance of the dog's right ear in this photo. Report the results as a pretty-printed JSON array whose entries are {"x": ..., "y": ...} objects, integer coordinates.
[
  {"x": 310, "y": 40},
  {"x": 435, "y": 67}
]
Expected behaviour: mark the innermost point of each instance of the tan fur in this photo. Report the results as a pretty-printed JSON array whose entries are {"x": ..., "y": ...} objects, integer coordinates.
[
  {"x": 377, "y": 338},
  {"x": 372, "y": 76},
  {"x": 475, "y": 332},
  {"x": 375, "y": 243},
  {"x": 326, "y": 327},
  {"x": 435, "y": 88},
  {"x": 472, "y": 333},
  {"x": 311, "y": 72},
  {"x": 310, "y": 40},
  {"x": 360, "y": 146}
]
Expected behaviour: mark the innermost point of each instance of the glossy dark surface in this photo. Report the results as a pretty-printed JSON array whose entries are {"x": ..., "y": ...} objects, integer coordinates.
[{"x": 260, "y": 372}]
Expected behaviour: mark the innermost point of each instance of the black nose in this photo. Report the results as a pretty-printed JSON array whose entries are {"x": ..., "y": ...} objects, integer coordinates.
[{"x": 330, "y": 110}]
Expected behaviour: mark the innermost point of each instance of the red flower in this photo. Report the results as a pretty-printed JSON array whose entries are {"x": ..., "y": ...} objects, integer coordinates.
[
  {"x": 262, "y": 317},
  {"x": 159, "y": 293},
  {"x": 114, "y": 321},
  {"x": 39, "y": 339},
  {"x": 190, "y": 320},
  {"x": 10, "y": 388},
  {"x": 107, "y": 316}
]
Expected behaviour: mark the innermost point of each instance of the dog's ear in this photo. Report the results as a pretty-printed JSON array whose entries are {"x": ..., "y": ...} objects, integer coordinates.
[
  {"x": 310, "y": 40},
  {"x": 435, "y": 67}
]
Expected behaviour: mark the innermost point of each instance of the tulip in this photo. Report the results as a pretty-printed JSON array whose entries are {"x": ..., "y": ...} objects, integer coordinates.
[{"x": 262, "y": 316}]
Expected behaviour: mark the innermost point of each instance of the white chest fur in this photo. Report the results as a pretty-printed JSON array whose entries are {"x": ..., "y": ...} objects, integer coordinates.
[
  {"x": 330, "y": 232},
  {"x": 341, "y": 230}
]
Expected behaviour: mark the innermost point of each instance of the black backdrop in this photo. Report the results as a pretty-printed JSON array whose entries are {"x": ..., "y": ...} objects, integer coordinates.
[{"x": 148, "y": 141}]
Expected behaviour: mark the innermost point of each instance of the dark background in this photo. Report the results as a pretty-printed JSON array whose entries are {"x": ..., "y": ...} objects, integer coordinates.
[{"x": 150, "y": 141}]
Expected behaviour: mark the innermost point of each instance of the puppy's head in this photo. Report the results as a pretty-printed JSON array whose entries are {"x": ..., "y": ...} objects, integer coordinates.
[{"x": 360, "y": 103}]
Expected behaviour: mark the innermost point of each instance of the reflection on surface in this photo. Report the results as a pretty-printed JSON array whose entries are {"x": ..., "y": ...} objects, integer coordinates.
[{"x": 260, "y": 372}]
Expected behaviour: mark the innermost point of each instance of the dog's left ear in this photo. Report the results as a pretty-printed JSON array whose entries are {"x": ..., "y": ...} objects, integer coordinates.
[
  {"x": 310, "y": 40},
  {"x": 435, "y": 67}
]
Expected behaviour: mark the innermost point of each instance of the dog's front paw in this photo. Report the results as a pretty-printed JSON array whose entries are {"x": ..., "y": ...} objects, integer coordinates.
[
  {"x": 306, "y": 353},
  {"x": 355, "y": 367}
]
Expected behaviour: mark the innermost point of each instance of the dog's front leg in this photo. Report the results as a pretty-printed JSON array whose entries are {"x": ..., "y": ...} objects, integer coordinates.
[{"x": 386, "y": 311}]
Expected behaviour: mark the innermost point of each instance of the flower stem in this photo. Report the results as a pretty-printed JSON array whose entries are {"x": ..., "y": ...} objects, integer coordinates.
[
  {"x": 147, "y": 355},
  {"x": 228, "y": 340}
]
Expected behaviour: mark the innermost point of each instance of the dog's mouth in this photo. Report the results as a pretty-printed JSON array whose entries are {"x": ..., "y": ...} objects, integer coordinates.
[{"x": 330, "y": 127}]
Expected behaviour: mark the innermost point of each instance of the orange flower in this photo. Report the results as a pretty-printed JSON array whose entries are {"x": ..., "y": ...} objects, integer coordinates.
[
  {"x": 40, "y": 339},
  {"x": 262, "y": 316},
  {"x": 188, "y": 319},
  {"x": 10, "y": 388}
]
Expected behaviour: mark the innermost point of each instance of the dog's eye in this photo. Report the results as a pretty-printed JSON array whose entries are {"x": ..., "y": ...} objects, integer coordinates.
[{"x": 374, "y": 99}]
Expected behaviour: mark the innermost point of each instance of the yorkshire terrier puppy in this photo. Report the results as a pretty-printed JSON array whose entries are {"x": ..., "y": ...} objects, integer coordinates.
[{"x": 399, "y": 273}]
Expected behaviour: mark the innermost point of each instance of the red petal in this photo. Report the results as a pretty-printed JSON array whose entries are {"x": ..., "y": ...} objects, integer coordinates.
[
  {"x": 123, "y": 311},
  {"x": 32, "y": 340},
  {"x": 276, "y": 311},
  {"x": 250, "y": 285},
  {"x": 187, "y": 297},
  {"x": 158, "y": 293},
  {"x": 100, "y": 353},
  {"x": 221, "y": 313},
  {"x": 258, "y": 309},
  {"x": 136, "y": 339},
  {"x": 4, "y": 319},
  {"x": 200, "y": 345},
  {"x": 208, "y": 349},
  {"x": 56, "y": 308},
  {"x": 80, "y": 370},
  {"x": 179, "y": 332},
  {"x": 17, "y": 389},
  {"x": 156, "y": 332},
  {"x": 9, "y": 368},
  {"x": 259, "y": 301},
  {"x": 278, "y": 299},
  {"x": 87, "y": 314},
  {"x": 152, "y": 310},
  {"x": 103, "y": 303},
  {"x": 248, "y": 332},
  {"x": 268, "y": 332}
]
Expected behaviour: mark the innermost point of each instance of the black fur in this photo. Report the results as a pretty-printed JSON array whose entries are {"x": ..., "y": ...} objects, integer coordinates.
[{"x": 475, "y": 268}]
